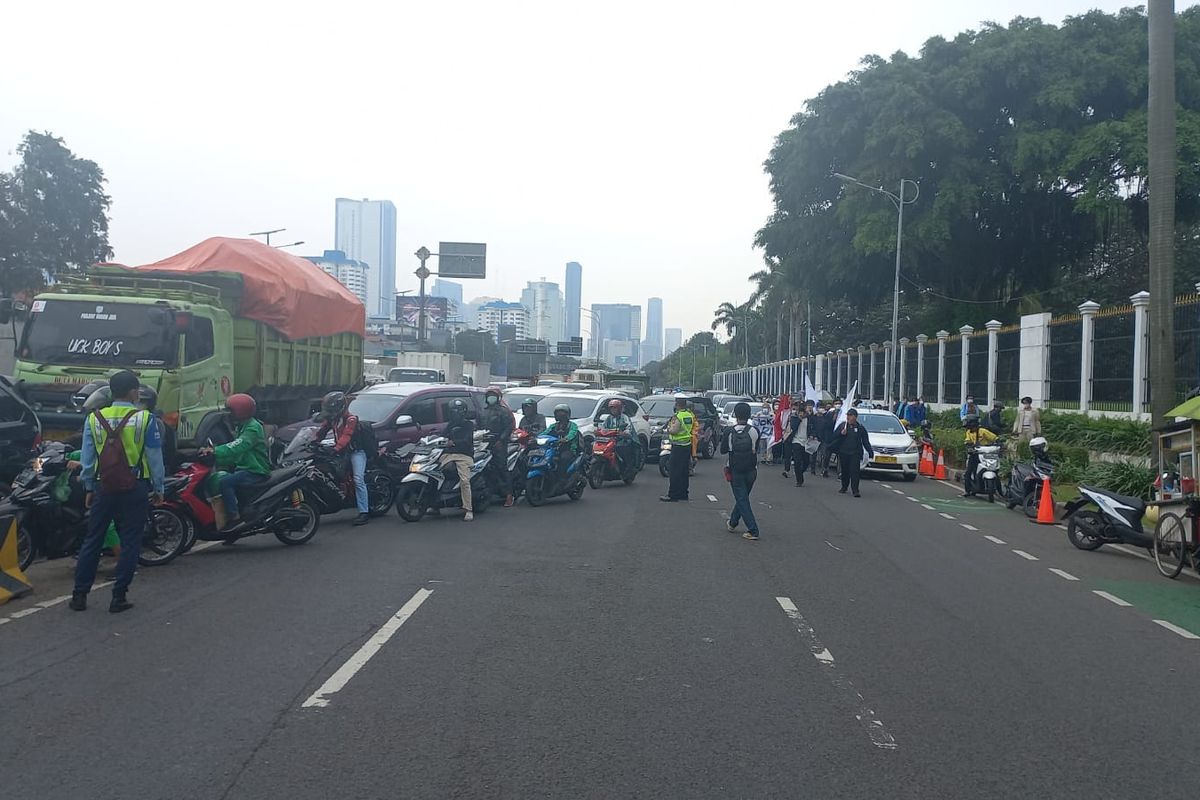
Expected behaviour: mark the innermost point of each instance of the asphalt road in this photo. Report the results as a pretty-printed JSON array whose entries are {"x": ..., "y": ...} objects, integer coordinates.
[{"x": 620, "y": 647}]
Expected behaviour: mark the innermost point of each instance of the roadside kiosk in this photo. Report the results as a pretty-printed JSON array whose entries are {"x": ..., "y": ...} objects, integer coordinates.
[{"x": 1177, "y": 530}]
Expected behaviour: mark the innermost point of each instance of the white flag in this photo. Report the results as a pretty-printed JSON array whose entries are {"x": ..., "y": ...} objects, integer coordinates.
[
  {"x": 846, "y": 406},
  {"x": 810, "y": 391}
]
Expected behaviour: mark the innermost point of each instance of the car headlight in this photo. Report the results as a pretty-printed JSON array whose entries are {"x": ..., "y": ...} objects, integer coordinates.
[{"x": 912, "y": 448}]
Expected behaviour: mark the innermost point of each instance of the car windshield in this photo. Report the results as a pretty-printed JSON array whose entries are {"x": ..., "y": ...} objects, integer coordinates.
[
  {"x": 580, "y": 406},
  {"x": 663, "y": 406},
  {"x": 99, "y": 334},
  {"x": 375, "y": 407},
  {"x": 881, "y": 423}
]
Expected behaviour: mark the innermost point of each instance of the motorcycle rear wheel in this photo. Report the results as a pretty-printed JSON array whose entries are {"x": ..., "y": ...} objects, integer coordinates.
[
  {"x": 381, "y": 493},
  {"x": 535, "y": 491},
  {"x": 307, "y": 530},
  {"x": 164, "y": 539},
  {"x": 576, "y": 491},
  {"x": 596, "y": 475},
  {"x": 1032, "y": 500},
  {"x": 1170, "y": 545},
  {"x": 1078, "y": 536},
  {"x": 409, "y": 504},
  {"x": 664, "y": 465},
  {"x": 26, "y": 552}
]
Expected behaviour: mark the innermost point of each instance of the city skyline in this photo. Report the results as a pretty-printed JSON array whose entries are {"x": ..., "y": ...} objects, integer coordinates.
[{"x": 365, "y": 230}]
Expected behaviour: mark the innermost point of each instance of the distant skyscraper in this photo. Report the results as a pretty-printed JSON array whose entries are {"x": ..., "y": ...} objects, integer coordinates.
[
  {"x": 574, "y": 297},
  {"x": 616, "y": 322},
  {"x": 447, "y": 289},
  {"x": 496, "y": 313},
  {"x": 673, "y": 341},
  {"x": 545, "y": 303},
  {"x": 365, "y": 231},
  {"x": 354, "y": 275},
  {"x": 653, "y": 345}
]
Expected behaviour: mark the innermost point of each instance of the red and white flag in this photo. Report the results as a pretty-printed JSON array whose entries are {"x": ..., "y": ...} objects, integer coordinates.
[{"x": 785, "y": 405}]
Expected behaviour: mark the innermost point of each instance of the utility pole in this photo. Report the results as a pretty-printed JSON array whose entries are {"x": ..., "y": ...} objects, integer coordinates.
[
  {"x": 1162, "y": 156},
  {"x": 422, "y": 272}
]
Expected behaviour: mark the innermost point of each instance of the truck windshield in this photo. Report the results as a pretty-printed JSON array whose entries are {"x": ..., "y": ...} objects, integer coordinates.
[{"x": 99, "y": 333}]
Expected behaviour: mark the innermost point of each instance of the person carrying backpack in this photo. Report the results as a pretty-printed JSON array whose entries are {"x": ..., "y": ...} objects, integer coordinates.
[
  {"x": 348, "y": 438},
  {"x": 740, "y": 442},
  {"x": 122, "y": 464}
]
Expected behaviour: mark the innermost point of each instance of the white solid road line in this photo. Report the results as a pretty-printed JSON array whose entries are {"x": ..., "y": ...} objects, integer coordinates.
[
  {"x": 898, "y": 491},
  {"x": 994, "y": 539},
  {"x": 1062, "y": 574},
  {"x": 968, "y": 527},
  {"x": 712, "y": 498},
  {"x": 46, "y": 604},
  {"x": 1026, "y": 556},
  {"x": 864, "y": 714},
  {"x": 1176, "y": 629},
  {"x": 338, "y": 680},
  {"x": 1112, "y": 598},
  {"x": 944, "y": 514},
  {"x": 926, "y": 505}
]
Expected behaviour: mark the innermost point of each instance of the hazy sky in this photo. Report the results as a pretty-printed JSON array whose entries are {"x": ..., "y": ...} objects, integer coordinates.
[{"x": 626, "y": 136}]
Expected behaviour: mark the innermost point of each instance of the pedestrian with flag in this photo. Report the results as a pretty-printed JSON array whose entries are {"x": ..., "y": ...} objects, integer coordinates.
[{"x": 778, "y": 428}]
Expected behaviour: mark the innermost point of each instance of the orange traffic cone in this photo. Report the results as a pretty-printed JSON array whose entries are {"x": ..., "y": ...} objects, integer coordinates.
[
  {"x": 1046, "y": 504},
  {"x": 940, "y": 473},
  {"x": 926, "y": 466}
]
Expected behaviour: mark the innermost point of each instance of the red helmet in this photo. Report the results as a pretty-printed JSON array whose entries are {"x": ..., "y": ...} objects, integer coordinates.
[{"x": 241, "y": 406}]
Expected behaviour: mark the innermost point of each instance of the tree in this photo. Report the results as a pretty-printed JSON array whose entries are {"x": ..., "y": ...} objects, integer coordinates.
[
  {"x": 53, "y": 214},
  {"x": 1161, "y": 146},
  {"x": 476, "y": 346}
]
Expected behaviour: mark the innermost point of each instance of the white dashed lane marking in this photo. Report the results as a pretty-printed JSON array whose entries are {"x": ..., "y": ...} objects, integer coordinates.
[
  {"x": 712, "y": 498},
  {"x": 1026, "y": 556},
  {"x": 944, "y": 514},
  {"x": 968, "y": 527},
  {"x": 926, "y": 505},
  {"x": 995, "y": 540},
  {"x": 1063, "y": 574},
  {"x": 1173, "y": 628},
  {"x": 1112, "y": 598}
]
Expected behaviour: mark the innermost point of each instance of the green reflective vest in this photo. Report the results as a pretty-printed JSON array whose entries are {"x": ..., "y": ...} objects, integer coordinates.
[
  {"x": 687, "y": 421},
  {"x": 133, "y": 436}
]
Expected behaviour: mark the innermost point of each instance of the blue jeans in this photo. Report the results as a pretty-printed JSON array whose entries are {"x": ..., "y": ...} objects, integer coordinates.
[
  {"x": 231, "y": 483},
  {"x": 741, "y": 483},
  {"x": 358, "y": 464},
  {"x": 129, "y": 510}
]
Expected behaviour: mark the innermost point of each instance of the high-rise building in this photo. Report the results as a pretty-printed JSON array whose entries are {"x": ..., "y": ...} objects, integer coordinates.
[
  {"x": 448, "y": 289},
  {"x": 574, "y": 297},
  {"x": 365, "y": 231},
  {"x": 672, "y": 340},
  {"x": 496, "y": 313},
  {"x": 653, "y": 345},
  {"x": 616, "y": 322},
  {"x": 545, "y": 303},
  {"x": 354, "y": 275}
]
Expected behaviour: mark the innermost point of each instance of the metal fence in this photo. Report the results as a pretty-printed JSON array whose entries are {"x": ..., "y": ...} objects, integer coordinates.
[
  {"x": 1187, "y": 351},
  {"x": 1112, "y": 360},
  {"x": 928, "y": 390},
  {"x": 1008, "y": 365},
  {"x": 953, "y": 369},
  {"x": 1066, "y": 352},
  {"x": 977, "y": 368}
]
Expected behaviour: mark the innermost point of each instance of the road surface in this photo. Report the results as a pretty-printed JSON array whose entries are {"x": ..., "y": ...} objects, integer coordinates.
[{"x": 901, "y": 645}]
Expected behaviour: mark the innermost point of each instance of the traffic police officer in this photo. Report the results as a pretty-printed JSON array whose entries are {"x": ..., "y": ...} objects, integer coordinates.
[{"x": 679, "y": 429}]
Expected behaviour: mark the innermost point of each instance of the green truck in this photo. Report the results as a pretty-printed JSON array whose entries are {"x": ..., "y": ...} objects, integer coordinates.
[{"x": 186, "y": 337}]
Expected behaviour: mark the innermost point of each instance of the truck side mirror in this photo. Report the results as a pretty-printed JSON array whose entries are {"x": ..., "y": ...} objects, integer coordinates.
[{"x": 6, "y": 310}]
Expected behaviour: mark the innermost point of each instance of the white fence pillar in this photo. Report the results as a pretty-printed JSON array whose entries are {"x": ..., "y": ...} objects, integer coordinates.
[
  {"x": 1035, "y": 358},
  {"x": 1087, "y": 350},
  {"x": 888, "y": 377},
  {"x": 861, "y": 351},
  {"x": 965, "y": 333},
  {"x": 921, "y": 340},
  {"x": 841, "y": 373},
  {"x": 903, "y": 393},
  {"x": 942, "y": 337},
  {"x": 870, "y": 395},
  {"x": 1141, "y": 352},
  {"x": 831, "y": 370},
  {"x": 818, "y": 372},
  {"x": 993, "y": 328}
]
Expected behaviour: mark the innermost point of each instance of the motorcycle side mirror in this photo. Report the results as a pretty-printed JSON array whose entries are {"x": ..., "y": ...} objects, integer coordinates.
[{"x": 404, "y": 421}]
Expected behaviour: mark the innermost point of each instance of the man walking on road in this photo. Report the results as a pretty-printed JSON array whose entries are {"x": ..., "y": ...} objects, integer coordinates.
[
  {"x": 121, "y": 464},
  {"x": 740, "y": 442},
  {"x": 679, "y": 429},
  {"x": 851, "y": 440}
]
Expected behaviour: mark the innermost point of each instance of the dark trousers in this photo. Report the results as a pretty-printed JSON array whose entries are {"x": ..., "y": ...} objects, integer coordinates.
[
  {"x": 742, "y": 483},
  {"x": 498, "y": 467},
  {"x": 799, "y": 462},
  {"x": 969, "y": 486},
  {"x": 234, "y": 481},
  {"x": 129, "y": 511},
  {"x": 681, "y": 463},
  {"x": 823, "y": 455},
  {"x": 850, "y": 471}
]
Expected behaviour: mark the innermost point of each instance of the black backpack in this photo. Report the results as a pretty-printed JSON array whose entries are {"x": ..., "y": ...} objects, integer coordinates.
[
  {"x": 741, "y": 450},
  {"x": 364, "y": 439}
]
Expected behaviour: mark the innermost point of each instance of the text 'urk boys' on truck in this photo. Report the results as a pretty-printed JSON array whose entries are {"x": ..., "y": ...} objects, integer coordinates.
[{"x": 224, "y": 316}]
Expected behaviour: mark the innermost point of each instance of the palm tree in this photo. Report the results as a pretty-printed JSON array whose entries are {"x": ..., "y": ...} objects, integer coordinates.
[{"x": 1161, "y": 144}]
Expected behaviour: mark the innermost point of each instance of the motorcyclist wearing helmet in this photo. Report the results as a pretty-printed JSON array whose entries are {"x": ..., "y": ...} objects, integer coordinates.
[
  {"x": 497, "y": 419},
  {"x": 337, "y": 419},
  {"x": 974, "y": 437},
  {"x": 531, "y": 420},
  {"x": 246, "y": 456},
  {"x": 617, "y": 420},
  {"x": 461, "y": 452},
  {"x": 567, "y": 433},
  {"x": 1038, "y": 447},
  {"x": 148, "y": 399}
]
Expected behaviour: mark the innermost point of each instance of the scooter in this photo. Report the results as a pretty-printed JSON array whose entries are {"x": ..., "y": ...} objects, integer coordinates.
[
  {"x": 664, "y": 459},
  {"x": 1025, "y": 484},
  {"x": 545, "y": 479},
  {"x": 605, "y": 464},
  {"x": 48, "y": 503},
  {"x": 986, "y": 478},
  {"x": 1110, "y": 519},
  {"x": 338, "y": 477},
  {"x": 517, "y": 463},
  {"x": 430, "y": 487}
]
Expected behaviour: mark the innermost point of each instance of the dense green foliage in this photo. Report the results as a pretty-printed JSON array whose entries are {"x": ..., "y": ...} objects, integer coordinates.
[
  {"x": 53, "y": 214},
  {"x": 1029, "y": 146}
]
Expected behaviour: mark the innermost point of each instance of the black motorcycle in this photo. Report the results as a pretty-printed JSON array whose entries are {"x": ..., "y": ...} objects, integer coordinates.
[
  {"x": 47, "y": 501},
  {"x": 1025, "y": 484},
  {"x": 336, "y": 490}
]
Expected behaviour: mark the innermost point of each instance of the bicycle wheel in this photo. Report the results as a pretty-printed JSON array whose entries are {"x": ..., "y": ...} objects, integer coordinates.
[{"x": 1170, "y": 544}]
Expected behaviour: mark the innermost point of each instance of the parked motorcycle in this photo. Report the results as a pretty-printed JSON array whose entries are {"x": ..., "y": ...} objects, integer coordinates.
[
  {"x": 986, "y": 478},
  {"x": 1099, "y": 517},
  {"x": 545, "y": 478},
  {"x": 1027, "y": 478},
  {"x": 430, "y": 487},
  {"x": 337, "y": 490},
  {"x": 605, "y": 465},
  {"x": 48, "y": 503}
]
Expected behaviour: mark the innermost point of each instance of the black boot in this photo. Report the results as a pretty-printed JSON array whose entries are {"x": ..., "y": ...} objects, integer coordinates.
[
  {"x": 119, "y": 604},
  {"x": 361, "y": 519},
  {"x": 78, "y": 601}
]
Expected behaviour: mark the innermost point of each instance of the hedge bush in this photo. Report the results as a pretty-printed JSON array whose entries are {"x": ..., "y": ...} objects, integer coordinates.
[{"x": 1098, "y": 434}]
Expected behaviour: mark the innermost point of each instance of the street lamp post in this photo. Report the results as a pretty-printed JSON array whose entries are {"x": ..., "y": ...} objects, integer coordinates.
[
  {"x": 267, "y": 234},
  {"x": 293, "y": 244},
  {"x": 899, "y": 202}
]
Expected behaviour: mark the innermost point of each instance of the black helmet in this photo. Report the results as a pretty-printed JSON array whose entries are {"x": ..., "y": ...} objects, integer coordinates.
[
  {"x": 147, "y": 397},
  {"x": 529, "y": 401},
  {"x": 971, "y": 421},
  {"x": 458, "y": 406},
  {"x": 564, "y": 409},
  {"x": 333, "y": 404},
  {"x": 80, "y": 398}
]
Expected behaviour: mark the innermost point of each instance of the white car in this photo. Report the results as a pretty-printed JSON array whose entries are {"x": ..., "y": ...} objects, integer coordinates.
[
  {"x": 896, "y": 452},
  {"x": 726, "y": 418},
  {"x": 589, "y": 404}
]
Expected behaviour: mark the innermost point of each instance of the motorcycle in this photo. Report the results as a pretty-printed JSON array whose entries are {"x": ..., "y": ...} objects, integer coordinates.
[
  {"x": 518, "y": 459},
  {"x": 282, "y": 504},
  {"x": 1114, "y": 519},
  {"x": 605, "y": 465},
  {"x": 430, "y": 487},
  {"x": 545, "y": 478},
  {"x": 1025, "y": 484},
  {"x": 48, "y": 503},
  {"x": 986, "y": 478},
  {"x": 664, "y": 459},
  {"x": 338, "y": 477}
]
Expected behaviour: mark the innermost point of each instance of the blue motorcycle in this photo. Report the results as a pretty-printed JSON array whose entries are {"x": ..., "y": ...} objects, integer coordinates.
[{"x": 545, "y": 480}]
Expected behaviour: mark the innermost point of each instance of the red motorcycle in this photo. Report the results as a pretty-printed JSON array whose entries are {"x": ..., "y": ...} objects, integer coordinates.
[{"x": 604, "y": 464}]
